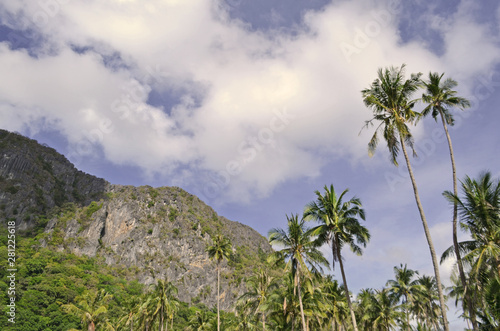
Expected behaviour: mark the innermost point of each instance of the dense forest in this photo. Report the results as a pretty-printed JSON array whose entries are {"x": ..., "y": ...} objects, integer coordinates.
[{"x": 293, "y": 287}]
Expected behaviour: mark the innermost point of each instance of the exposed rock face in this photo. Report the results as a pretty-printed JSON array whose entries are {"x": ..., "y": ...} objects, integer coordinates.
[
  {"x": 146, "y": 233},
  {"x": 34, "y": 179}
]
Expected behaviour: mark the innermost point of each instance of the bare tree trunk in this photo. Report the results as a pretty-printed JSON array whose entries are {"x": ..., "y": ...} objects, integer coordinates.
[
  {"x": 218, "y": 296},
  {"x": 304, "y": 328},
  {"x": 353, "y": 317},
  {"x": 263, "y": 321},
  {"x": 91, "y": 326},
  {"x": 428, "y": 236},
  {"x": 470, "y": 304}
]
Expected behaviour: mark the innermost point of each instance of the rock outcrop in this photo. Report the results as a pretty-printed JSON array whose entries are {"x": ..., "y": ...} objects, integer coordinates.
[{"x": 145, "y": 233}]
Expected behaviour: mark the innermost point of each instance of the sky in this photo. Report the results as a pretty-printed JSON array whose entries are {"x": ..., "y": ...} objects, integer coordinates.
[{"x": 255, "y": 105}]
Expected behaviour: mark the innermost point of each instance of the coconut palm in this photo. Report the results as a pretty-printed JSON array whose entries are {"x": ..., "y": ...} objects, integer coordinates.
[
  {"x": 426, "y": 305},
  {"x": 256, "y": 298},
  {"x": 380, "y": 309},
  {"x": 389, "y": 97},
  {"x": 163, "y": 303},
  {"x": 91, "y": 307},
  {"x": 335, "y": 298},
  {"x": 480, "y": 215},
  {"x": 339, "y": 226},
  {"x": 219, "y": 250},
  {"x": 301, "y": 252},
  {"x": 404, "y": 287},
  {"x": 440, "y": 98},
  {"x": 200, "y": 321}
]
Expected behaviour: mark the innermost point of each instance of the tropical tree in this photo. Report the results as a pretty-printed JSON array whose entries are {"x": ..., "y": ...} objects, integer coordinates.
[
  {"x": 163, "y": 302},
  {"x": 336, "y": 303},
  {"x": 389, "y": 97},
  {"x": 426, "y": 306},
  {"x": 91, "y": 307},
  {"x": 260, "y": 287},
  {"x": 380, "y": 309},
  {"x": 220, "y": 249},
  {"x": 441, "y": 98},
  {"x": 404, "y": 287},
  {"x": 479, "y": 210},
  {"x": 339, "y": 226},
  {"x": 200, "y": 321},
  {"x": 300, "y": 251}
]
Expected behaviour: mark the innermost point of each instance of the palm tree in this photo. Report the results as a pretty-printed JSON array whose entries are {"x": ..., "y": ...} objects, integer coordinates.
[
  {"x": 403, "y": 287},
  {"x": 426, "y": 305},
  {"x": 200, "y": 321},
  {"x": 480, "y": 214},
  {"x": 301, "y": 251},
  {"x": 339, "y": 226},
  {"x": 221, "y": 249},
  {"x": 91, "y": 307},
  {"x": 389, "y": 98},
  {"x": 337, "y": 308},
  {"x": 260, "y": 287},
  {"x": 440, "y": 98},
  {"x": 163, "y": 302},
  {"x": 380, "y": 309}
]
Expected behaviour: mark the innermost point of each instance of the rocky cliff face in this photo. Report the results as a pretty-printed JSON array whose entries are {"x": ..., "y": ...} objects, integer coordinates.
[
  {"x": 146, "y": 233},
  {"x": 34, "y": 179}
]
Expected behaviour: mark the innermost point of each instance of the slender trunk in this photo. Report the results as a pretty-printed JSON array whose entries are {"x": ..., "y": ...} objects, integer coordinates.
[
  {"x": 333, "y": 324},
  {"x": 427, "y": 235},
  {"x": 407, "y": 314},
  {"x": 263, "y": 322},
  {"x": 161, "y": 318},
  {"x": 470, "y": 304},
  {"x": 300, "y": 299},
  {"x": 353, "y": 318},
  {"x": 218, "y": 295},
  {"x": 91, "y": 326}
]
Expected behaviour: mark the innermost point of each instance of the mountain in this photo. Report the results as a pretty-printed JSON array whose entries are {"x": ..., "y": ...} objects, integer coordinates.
[{"x": 145, "y": 233}]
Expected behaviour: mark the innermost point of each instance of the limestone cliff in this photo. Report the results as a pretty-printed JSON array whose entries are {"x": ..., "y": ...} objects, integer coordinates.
[{"x": 145, "y": 233}]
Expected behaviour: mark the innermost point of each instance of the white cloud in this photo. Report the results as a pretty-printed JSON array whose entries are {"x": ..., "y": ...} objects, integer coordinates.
[{"x": 233, "y": 82}]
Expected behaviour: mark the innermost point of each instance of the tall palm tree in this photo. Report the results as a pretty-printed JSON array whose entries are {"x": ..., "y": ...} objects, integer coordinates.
[
  {"x": 404, "y": 287},
  {"x": 339, "y": 226},
  {"x": 301, "y": 252},
  {"x": 440, "y": 98},
  {"x": 256, "y": 298},
  {"x": 219, "y": 250},
  {"x": 389, "y": 97},
  {"x": 91, "y": 307}
]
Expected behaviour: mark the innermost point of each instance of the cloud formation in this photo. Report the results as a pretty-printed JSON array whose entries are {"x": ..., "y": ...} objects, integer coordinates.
[{"x": 251, "y": 109}]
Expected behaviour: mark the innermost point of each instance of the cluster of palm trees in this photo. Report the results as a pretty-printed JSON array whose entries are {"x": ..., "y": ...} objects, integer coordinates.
[
  {"x": 294, "y": 293},
  {"x": 155, "y": 310}
]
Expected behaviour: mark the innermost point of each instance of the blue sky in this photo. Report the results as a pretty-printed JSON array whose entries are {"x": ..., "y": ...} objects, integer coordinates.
[{"x": 254, "y": 105}]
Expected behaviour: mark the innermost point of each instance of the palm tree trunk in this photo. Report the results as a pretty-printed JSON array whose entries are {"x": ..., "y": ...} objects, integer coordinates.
[
  {"x": 263, "y": 321},
  {"x": 407, "y": 314},
  {"x": 353, "y": 318},
  {"x": 304, "y": 328},
  {"x": 427, "y": 235},
  {"x": 470, "y": 304},
  {"x": 161, "y": 318},
  {"x": 218, "y": 295},
  {"x": 91, "y": 326}
]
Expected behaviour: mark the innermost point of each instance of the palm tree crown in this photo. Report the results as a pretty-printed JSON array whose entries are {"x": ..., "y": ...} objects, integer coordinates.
[
  {"x": 389, "y": 98},
  {"x": 339, "y": 225}
]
